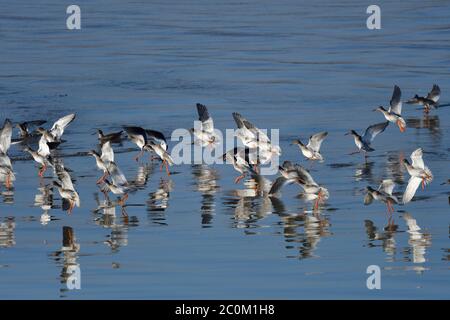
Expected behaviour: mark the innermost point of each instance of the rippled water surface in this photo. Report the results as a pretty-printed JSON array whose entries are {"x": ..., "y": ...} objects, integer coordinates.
[{"x": 299, "y": 66}]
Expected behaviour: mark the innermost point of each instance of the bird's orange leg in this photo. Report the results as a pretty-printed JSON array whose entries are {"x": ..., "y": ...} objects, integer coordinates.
[
  {"x": 400, "y": 126},
  {"x": 167, "y": 168},
  {"x": 8, "y": 181},
  {"x": 316, "y": 204},
  {"x": 239, "y": 178},
  {"x": 72, "y": 204},
  {"x": 102, "y": 178}
]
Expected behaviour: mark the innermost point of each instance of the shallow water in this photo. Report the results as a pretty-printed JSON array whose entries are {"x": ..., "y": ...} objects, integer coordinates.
[{"x": 288, "y": 64}]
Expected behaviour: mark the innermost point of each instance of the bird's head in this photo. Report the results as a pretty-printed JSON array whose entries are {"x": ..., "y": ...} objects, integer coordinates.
[
  {"x": 298, "y": 142},
  {"x": 380, "y": 108}
]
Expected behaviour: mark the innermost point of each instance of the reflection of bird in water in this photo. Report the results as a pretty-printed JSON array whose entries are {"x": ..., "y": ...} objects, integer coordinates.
[
  {"x": 44, "y": 199},
  {"x": 383, "y": 194},
  {"x": 67, "y": 256},
  {"x": 420, "y": 174},
  {"x": 107, "y": 219},
  {"x": 159, "y": 199},
  {"x": 386, "y": 237},
  {"x": 315, "y": 227},
  {"x": 418, "y": 241},
  {"x": 432, "y": 123},
  {"x": 206, "y": 183},
  {"x": 431, "y": 101},
  {"x": 364, "y": 171},
  {"x": 7, "y": 228},
  {"x": 393, "y": 114},
  {"x": 143, "y": 174},
  {"x": 364, "y": 142},
  {"x": 394, "y": 166}
]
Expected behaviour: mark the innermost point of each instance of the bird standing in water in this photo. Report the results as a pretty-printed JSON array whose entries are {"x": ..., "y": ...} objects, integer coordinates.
[
  {"x": 312, "y": 150},
  {"x": 383, "y": 194},
  {"x": 420, "y": 174},
  {"x": 294, "y": 173},
  {"x": 65, "y": 187},
  {"x": 162, "y": 154},
  {"x": 431, "y": 101},
  {"x": 5, "y": 143},
  {"x": 393, "y": 114},
  {"x": 42, "y": 155},
  {"x": 104, "y": 160},
  {"x": 242, "y": 161}
]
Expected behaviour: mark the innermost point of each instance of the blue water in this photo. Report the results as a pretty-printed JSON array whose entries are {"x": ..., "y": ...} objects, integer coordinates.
[{"x": 299, "y": 66}]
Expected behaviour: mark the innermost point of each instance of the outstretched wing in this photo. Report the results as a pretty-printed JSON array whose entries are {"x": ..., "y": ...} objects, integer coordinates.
[
  {"x": 59, "y": 126},
  {"x": 368, "y": 199},
  {"x": 396, "y": 102},
  {"x": 117, "y": 176},
  {"x": 417, "y": 160},
  {"x": 411, "y": 188},
  {"x": 66, "y": 180},
  {"x": 304, "y": 176},
  {"x": 387, "y": 186},
  {"x": 259, "y": 134},
  {"x": 239, "y": 119},
  {"x": 5, "y": 136},
  {"x": 205, "y": 118},
  {"x": 435, "y": 93},
  {"x": 315, "y": 141},
  {"x": 107, "y": 152},
  {"x": 373, "y": 131}
]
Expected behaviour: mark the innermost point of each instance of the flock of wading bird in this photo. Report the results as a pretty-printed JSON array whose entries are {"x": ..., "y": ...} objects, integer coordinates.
[{"x": 257, "y": 150}]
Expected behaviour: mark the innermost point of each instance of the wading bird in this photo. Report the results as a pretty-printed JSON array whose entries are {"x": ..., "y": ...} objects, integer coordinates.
[
  {"x": 41, "y": 156},
  {"x": 65, "y": 187},
  {"x": 242, "y": 160},
  {"x": 104, "y": 160},
  {"x": 294, "y": 173},
  {"x": 383, "y": 194}
]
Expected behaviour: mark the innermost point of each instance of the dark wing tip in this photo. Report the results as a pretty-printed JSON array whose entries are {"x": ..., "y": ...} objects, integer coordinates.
[{"x": 202, "y": 112}]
